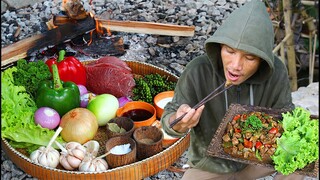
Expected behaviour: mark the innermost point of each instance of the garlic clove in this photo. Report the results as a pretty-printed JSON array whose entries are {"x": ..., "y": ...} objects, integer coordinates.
[
  {"x": 101, "y": 164},
  {"x": 72, "y": 145},
  {"x": 92, "y": 147},
  {"x": 64, "y": 163},
  {"x": 42, "y": 159},
  {"x": 73, "y": 161},
  {"x": 84, "y": 165},
  {"x": 92, "y": 168},
  {"x": 34, "y": 156},
  {"x": 53, "y": 158},
  {"x": 78, "y": 153}
]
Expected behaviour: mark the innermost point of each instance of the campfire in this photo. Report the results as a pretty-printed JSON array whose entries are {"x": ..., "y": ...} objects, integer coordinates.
[{"x": 87, "y": 33}]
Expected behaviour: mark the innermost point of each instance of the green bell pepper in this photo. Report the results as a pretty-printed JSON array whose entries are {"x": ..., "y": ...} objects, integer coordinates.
[{"x": 59, "y": 95}]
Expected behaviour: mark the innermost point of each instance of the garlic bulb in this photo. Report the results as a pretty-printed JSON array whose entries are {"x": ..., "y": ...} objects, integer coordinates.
[
  {"x": 92, "y": 147},
  {"x": 91, "y": 164},
  {"x": 47, "y": 156},
  {"x": 71, "y": 155}
]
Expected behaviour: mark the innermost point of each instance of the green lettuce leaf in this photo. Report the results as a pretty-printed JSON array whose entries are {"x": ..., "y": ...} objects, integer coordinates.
[
  {"x": 299, "y": 144},
  {"x": 17, "y": 116}
]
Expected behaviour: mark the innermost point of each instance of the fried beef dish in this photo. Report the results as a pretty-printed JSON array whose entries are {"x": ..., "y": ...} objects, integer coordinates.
[{"x": 252, "y": 136}]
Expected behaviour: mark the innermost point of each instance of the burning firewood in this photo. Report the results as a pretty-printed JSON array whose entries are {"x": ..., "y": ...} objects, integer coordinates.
[{"x": 74, "y": 9}]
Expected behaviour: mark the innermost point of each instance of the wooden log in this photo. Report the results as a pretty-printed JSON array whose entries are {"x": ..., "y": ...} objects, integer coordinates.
[
  {"x": 291, "y": 55},
  {"x": 135, "y": 26},
  {"x": 146, "y": 27},
  {"x": 25, "y": 47},
  {"x": 73, "y": 28}
]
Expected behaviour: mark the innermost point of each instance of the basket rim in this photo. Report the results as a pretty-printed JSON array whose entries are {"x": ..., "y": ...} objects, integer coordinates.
[
  {"x": 86, "y": 172},
  {"x": 139, "y": 62}
]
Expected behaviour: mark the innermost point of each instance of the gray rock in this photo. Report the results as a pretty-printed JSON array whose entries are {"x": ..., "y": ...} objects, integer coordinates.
[
  {"x": 21, "y": 4},
  {"x": 4, "y": 6}
]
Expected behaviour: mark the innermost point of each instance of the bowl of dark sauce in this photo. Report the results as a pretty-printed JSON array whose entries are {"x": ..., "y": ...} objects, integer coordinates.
[{"x": 142, "y": 113}]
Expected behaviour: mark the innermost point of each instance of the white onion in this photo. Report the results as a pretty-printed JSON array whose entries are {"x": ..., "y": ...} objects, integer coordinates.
[
  {"x": 47, "y": 117},
  {"x": 104, "y": 107},
  {"x": 79, "y": 125}
]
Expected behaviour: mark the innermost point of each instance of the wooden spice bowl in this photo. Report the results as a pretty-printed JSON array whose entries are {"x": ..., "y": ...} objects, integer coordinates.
[
  {"x": 116, "y": 160},
  {"x": 122, "y": 122},
  {"x": 149, "y": 141}
]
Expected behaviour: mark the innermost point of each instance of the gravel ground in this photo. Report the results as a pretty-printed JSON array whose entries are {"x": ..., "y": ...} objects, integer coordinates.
[{"x": 170, "y": 53}]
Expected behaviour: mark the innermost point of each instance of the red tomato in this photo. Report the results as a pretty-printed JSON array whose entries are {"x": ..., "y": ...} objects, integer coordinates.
[
  {"x": 237, "y": 130},
  {"x": 273, "y": 130},
  {"x": 236, "y": 117},
  {"x": 258, "y": 144},
  {"x": 247, "y": 144}
]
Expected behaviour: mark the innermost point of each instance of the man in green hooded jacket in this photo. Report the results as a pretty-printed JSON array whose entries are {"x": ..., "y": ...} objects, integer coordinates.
[{"x": 240, "y": 52}]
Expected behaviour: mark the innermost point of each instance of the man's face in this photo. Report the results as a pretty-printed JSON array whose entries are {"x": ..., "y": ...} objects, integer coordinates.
[{"x": 238, "y": 65}]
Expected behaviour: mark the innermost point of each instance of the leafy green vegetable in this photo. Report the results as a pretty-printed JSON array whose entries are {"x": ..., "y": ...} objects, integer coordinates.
[
  {"x": 30, "y": 75},
  {"x": 17, "y": 116},
  {"x": 299, "y": 144},
  {"x": 253, "y": 122}
]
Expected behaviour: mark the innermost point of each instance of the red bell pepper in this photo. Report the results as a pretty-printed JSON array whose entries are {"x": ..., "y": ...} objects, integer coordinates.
[
  {"x": 247, "y": 143},
  {"x": 273, "y": 130},
  {"x": 236, "y": 117},
  {"x": 258, "y": 144},
  {"x": 70, "y": 68}
]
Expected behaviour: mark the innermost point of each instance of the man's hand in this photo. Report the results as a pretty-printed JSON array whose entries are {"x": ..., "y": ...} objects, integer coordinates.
[{"x": 190, "y": 120}]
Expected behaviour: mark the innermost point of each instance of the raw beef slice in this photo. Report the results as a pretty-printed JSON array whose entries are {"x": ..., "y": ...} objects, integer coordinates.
[{"x": 110, "y": 77}]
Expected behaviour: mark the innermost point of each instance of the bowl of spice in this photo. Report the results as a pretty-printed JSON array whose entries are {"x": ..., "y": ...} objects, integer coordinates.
[
  {"x": 149, "y": 141},
  {"x": 121, "y": 151},
  {"x": 161, "y": 100},
  {"x": 119, "y": 126},
  {"x": 142, "y": 113}
]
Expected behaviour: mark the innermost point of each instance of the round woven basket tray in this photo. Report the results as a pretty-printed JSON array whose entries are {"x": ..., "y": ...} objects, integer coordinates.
[{"x": 137, "y": 170}]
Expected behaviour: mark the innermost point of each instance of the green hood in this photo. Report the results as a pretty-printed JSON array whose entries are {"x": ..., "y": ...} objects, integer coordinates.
[{"x": 247, "y": 37}]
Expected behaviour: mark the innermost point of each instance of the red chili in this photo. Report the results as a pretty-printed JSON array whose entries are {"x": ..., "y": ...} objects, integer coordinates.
[
  {"x": 244, "y": 116},
  {"x": 236, "y": 117},
  {"x": 267, "y": 145},
  {"x": 258, "y": 144},
  {"x": 273, "y": 130},
  {"x": 247, "y": 144},
  {"x": 70, "y": 68}
]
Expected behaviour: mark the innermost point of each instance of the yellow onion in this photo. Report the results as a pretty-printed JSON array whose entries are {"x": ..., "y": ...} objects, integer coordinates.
[{"x": 79, "y": 125}]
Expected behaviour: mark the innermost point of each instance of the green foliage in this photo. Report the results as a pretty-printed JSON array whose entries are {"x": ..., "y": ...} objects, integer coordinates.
[
  {"x": 17, "y": 116},
  {"x": 299, "y": 144},
  {"x": 30, "y": 75},
  {"x": 150, "y": 85}
]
